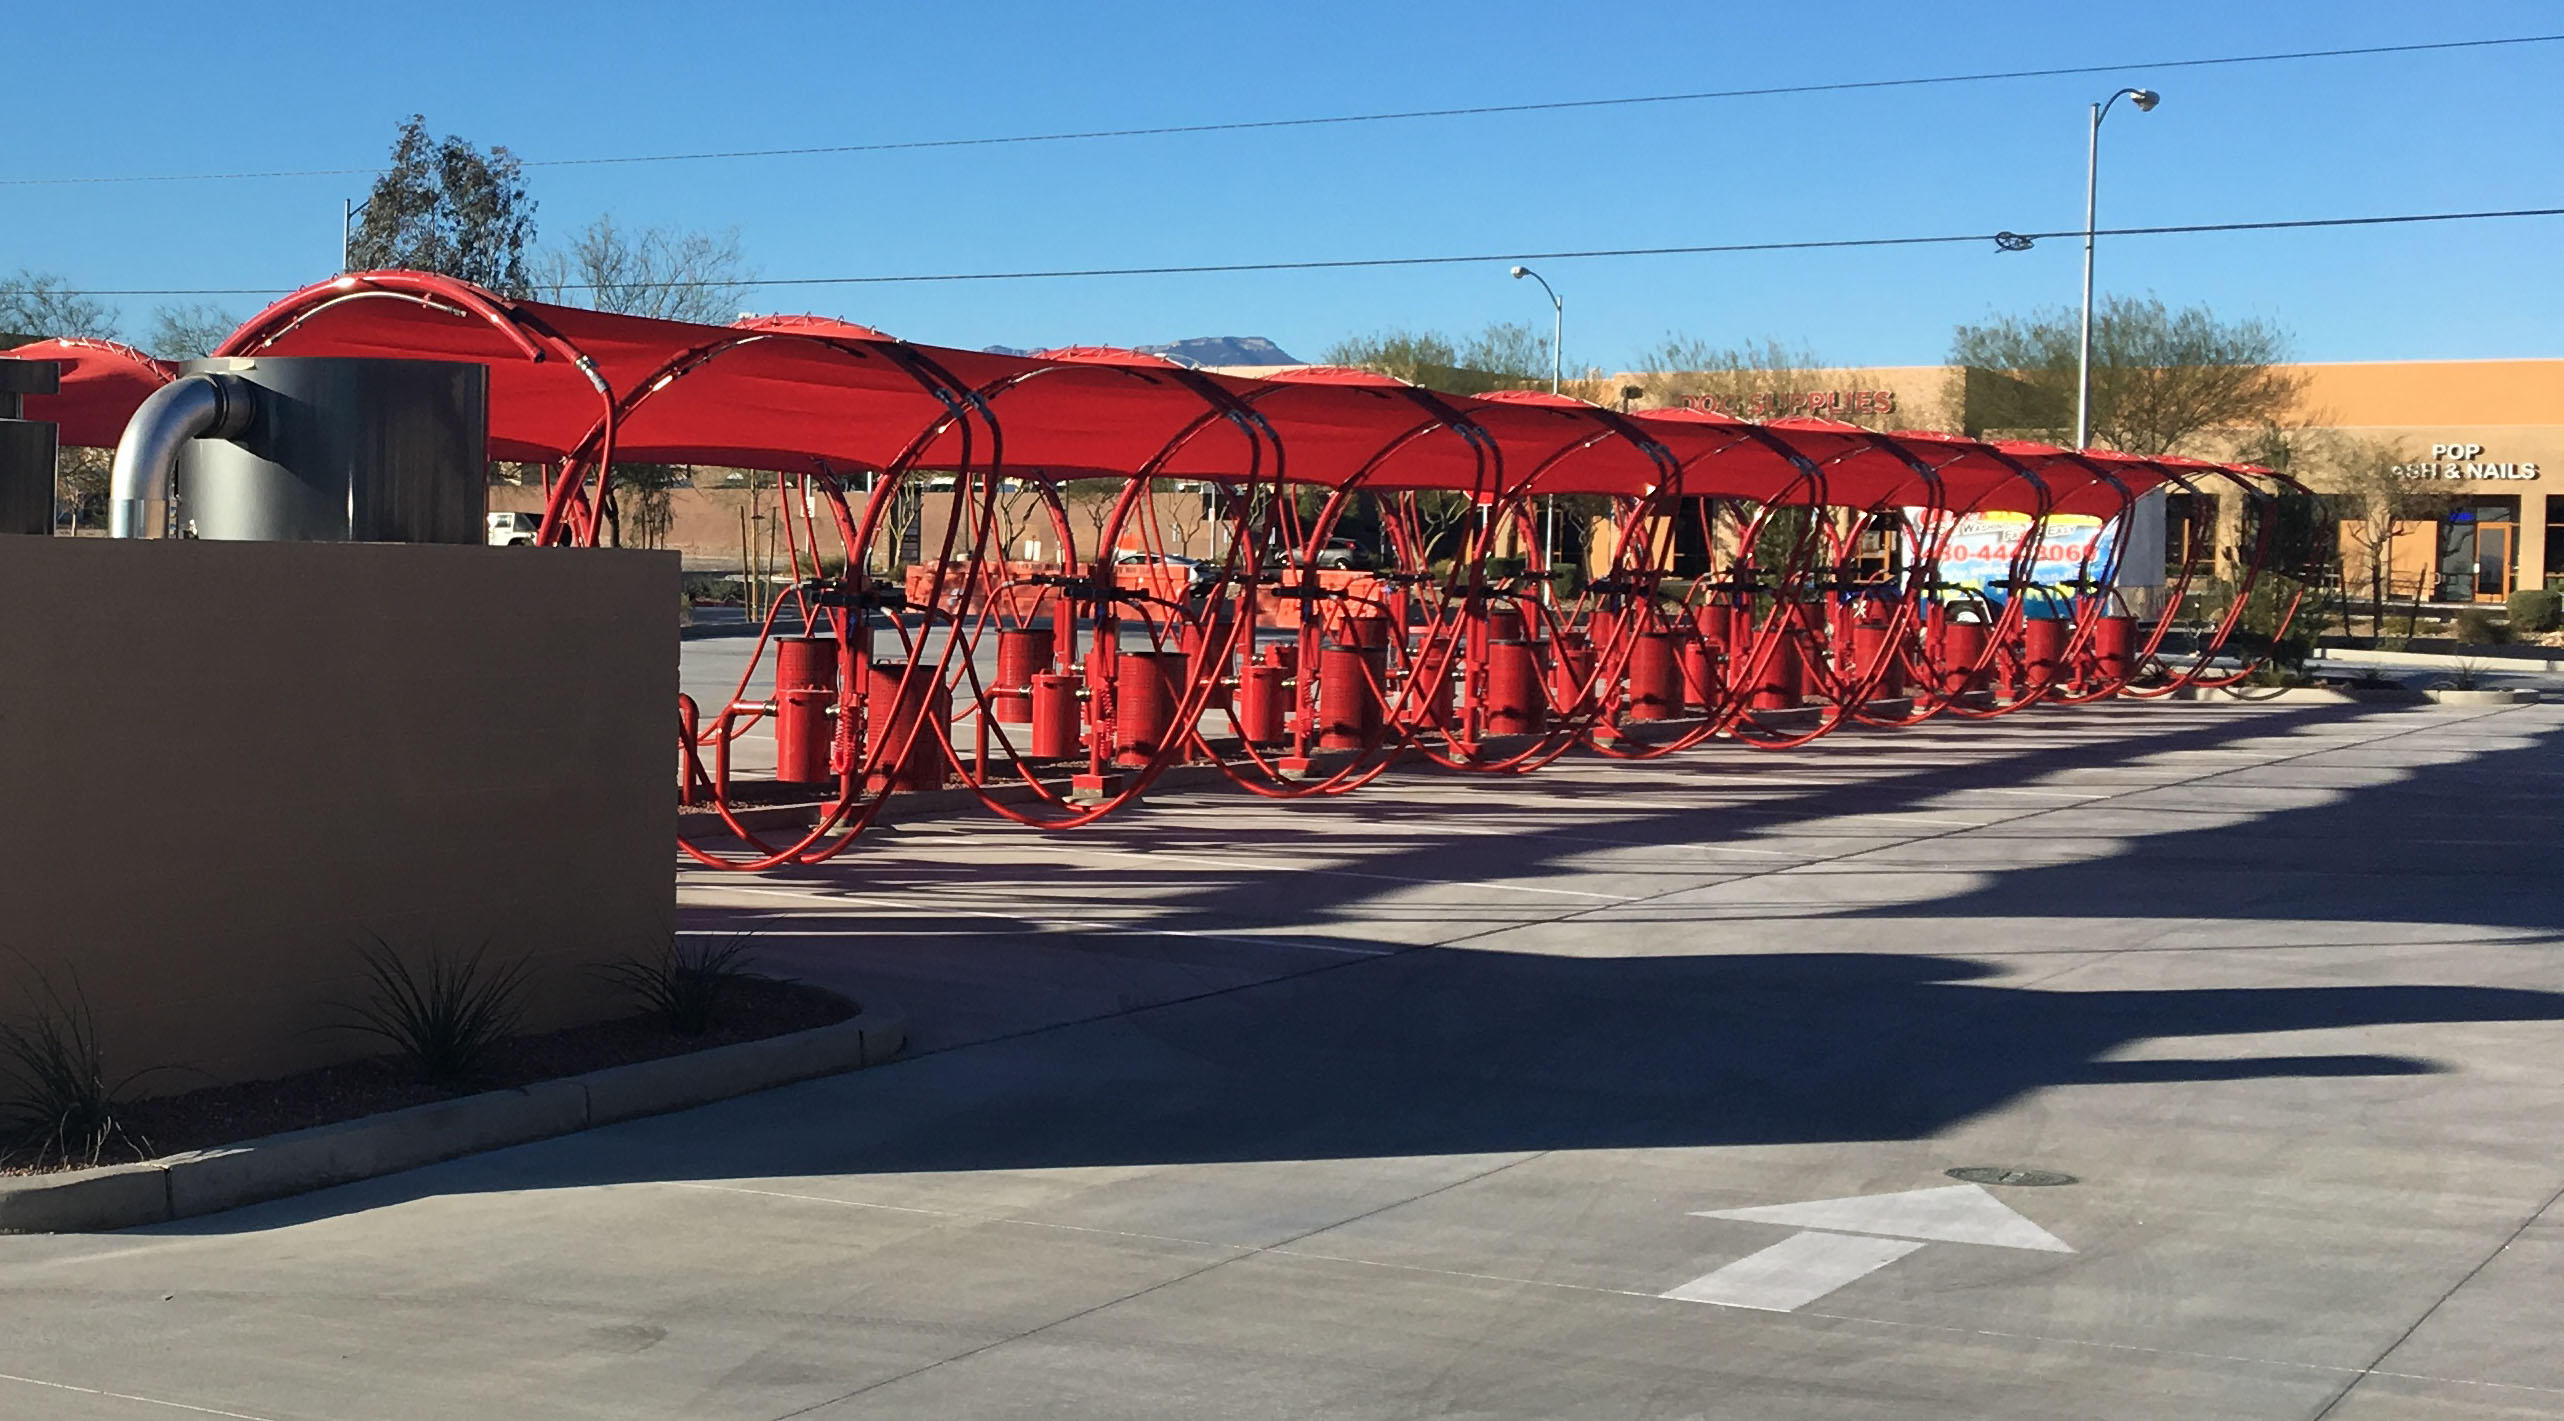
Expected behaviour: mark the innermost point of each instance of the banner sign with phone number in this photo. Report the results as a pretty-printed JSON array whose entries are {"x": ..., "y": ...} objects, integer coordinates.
[{"x": 1982, "y": 546}]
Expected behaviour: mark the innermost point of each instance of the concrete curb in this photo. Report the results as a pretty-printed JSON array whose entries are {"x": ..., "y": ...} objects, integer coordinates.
[
  {"x": 2488, "y": 659},
  {"x": 2362, "y": 695},
  {"x": 2496, "y": 696},
  {"x": 181, "y": 1186}
]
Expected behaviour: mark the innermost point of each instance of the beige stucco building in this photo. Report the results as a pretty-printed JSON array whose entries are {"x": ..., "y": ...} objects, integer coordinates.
[{"x": 2485, "y": 438}]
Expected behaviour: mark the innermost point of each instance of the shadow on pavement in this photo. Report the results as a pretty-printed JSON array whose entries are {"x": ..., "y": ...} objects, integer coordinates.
[
  {"x": 1459, "y": 1051},
  {"x": 1455, "y": 1052}
]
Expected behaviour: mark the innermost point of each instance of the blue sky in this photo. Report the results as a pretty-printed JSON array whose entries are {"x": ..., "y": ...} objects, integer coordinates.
[{"x": 144, "y": 88}]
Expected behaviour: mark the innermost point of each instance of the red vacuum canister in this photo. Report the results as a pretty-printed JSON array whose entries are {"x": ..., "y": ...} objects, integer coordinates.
[
  {"x": 1349, "y": 678},
  {"x": 1263, "y": 693},
  {"x": 2114, "y": 649},
  {"x": 805, "y": 707},
  {"x": 1055, "y": 714},
  {"x": 914, "y": 719},
  {"x": 1655, "y": 677},
  {"x": 1021, "y": 651},
  {"x": 1147, "y": 690},
  {"x": 2043, "y": 642},
  {"x": 1514, "y": 702},
  {"x": 1782, "y": 684},
  {"x": 1962, "y": 647}
]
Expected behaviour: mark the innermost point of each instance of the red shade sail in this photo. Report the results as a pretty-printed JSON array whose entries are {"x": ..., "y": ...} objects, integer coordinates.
[{"x": 812, "y": 393}]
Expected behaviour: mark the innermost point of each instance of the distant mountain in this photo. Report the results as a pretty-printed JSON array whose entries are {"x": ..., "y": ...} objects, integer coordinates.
[
  {"x": 1224, "y": 350},
  {"x": 1200, "y": 350}
]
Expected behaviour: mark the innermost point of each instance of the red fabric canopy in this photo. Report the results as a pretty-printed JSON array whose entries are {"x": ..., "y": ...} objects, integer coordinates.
[
  {"x": 810, "y": 393},
  {"x": 102, "y": 382}
]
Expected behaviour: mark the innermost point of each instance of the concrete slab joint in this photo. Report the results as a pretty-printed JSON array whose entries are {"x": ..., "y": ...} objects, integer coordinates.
[{"x": 208, "y": 1181}]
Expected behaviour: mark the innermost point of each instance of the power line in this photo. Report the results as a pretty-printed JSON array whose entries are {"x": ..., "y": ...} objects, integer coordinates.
[
  {"x": 2006, "y": 240},
  {"x": 1396, "y": 116}
]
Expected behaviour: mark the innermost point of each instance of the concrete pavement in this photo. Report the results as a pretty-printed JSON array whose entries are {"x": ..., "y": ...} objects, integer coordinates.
[{"x": 1412, "y": 1103}]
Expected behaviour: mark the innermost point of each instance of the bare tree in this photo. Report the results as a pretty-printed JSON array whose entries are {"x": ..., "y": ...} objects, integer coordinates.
[
  {"x": 1092, "y": 500},
  {"x": 185, "y": 332},
  {"x": 661, "y": 272},
  {"x": 1186, "y": 509},
  {"x": 1018, "y": 503},
  {"x": 2160, "y": 377},
  {"x": 669, "y": 273},
  {"x": 900, "y": 524},
  {"x": 1764, "y": 380},
  {"x": 649, "y": 487},
  {"x": 2366, "y": 491},
  {"x": 38, "y": 305},
  {"x": 80, "y": 482}
]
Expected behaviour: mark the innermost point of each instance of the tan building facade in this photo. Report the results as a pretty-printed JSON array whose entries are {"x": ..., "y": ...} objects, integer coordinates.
[
  {"x": 2479, "y": 444},
  {"x": 2477, "y": 447},
  {"x": 2482, "y": 443}
]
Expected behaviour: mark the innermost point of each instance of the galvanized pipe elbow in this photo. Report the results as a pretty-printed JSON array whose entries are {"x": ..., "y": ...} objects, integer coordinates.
[{"x": 191, "y": 407}]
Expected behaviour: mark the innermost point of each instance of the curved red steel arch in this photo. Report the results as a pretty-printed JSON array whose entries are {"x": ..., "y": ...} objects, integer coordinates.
[{"x": 1324, "y": 674}]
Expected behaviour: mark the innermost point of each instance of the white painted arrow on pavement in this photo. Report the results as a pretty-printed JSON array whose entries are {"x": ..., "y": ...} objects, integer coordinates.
[{"x": 1849, "y": 1239}]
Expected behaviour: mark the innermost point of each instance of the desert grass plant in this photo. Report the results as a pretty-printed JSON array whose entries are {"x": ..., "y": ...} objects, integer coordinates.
[
  {"x": 442, "y": 1018},
  {"x": 686, "y": 987},
  {"x": 61, "y": 1107}
]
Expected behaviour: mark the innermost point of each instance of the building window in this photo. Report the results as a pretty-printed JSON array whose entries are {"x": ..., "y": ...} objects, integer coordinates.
[
  {"x": 2189, "y": 534},
  {"x": 2554, "y": 539},
  {"x": 2479, "y": 550}
]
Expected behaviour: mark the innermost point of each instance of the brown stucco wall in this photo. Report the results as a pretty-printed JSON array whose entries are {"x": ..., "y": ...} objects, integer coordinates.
[{"x": 226, "y": 765}]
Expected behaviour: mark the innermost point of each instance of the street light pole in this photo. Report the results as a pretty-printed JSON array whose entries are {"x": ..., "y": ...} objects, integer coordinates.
[
  {"x": 2145, "y": 100},
  {"x": 1557, "y": 368},
  {"x": 349, "y": 210}
]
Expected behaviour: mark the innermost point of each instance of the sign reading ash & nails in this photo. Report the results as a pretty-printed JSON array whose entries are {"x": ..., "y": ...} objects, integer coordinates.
[
  {"x": 1982, "y": 545},
  {"x": 2463, "y": 461}
]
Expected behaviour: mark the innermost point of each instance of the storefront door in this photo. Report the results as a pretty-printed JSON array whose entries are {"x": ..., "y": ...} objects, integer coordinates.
[
  {"x": 2476, "y": 543},
  {"x": 2493, "y": 545}
]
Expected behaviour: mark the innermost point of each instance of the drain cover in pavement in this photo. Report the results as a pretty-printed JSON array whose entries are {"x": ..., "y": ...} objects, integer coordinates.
[{"x": 2000, "y": 1174}]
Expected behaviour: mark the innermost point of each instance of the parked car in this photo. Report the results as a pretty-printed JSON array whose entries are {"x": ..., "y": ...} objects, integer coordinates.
[
  {"x": 1197, "y": 573},
  {"x": 515, "y": 530},
  {"x": 1339, "y": 553}
]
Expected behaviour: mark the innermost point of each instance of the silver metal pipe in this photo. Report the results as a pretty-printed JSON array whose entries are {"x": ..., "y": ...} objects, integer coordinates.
[{"x": 191, "y": 407}]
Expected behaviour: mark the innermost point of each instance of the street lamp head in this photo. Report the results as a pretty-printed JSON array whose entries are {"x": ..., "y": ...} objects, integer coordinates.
[
  {"x": 1520, "y": 272},
  {"x": 2144, "y": 99}
]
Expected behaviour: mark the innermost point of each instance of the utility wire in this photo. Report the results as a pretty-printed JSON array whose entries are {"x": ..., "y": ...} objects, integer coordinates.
[
  {"x": 1397, "y": 116},
  {"x": 2006, "y": 241}
]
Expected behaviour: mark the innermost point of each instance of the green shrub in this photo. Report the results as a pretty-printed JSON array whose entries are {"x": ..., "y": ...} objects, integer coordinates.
[
  {"x": 2257, "y": 632},
  {"x": 442, "y": 1020},
  {"x": 2478, "y": 627},
  {"x": 60, "y": 1107},
  {"x": 685, "y": 988},
  {"x": 2535, "y": 610}
]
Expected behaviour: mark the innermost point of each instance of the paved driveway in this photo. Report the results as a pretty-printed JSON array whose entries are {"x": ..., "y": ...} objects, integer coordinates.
[{"x": 1622, "y": 1091}]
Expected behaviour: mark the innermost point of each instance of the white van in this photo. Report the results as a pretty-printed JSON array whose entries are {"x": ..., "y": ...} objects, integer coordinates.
[{"x": 514, "y": 530}]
